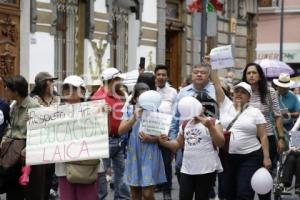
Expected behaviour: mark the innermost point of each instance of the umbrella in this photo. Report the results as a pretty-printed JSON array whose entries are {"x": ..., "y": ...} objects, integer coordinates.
[{"x": 273, "y": 68}]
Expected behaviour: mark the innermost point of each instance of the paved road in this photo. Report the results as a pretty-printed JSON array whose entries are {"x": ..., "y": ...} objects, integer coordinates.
[{"x": 175, "y": 194}]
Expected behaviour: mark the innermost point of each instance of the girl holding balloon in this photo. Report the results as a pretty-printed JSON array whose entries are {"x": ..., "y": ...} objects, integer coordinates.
[
  {"x": 248, "y": 145},
  {"x": 144, "y": 167},
  {"x": 199, "y": 135}
]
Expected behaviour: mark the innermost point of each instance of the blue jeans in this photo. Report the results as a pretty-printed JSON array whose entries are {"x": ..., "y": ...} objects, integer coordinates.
[
  {"x": 238, "y": 176},
  {"x": 167, "y": 157},
  {"x": 116, "y": 155},
  {"x": 102, "y": 185}
]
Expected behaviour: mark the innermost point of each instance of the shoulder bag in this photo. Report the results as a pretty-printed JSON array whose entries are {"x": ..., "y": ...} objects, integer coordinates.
[
  {"x": 10, "y": 152},
  {"x": 227, "y": 133},
  {"x": 84, "y": 172}
]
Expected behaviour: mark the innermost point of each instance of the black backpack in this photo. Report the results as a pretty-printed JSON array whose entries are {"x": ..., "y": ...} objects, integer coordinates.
[{"x": 210, "y": 105}]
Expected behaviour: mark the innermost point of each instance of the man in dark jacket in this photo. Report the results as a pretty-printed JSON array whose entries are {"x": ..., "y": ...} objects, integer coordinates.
[{"x": 4, "y": 116}]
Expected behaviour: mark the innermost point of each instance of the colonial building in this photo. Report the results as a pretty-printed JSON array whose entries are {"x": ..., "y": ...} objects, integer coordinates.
[
  {"x": 85, "y": 36},
  {"x": 269, "y": 31}
]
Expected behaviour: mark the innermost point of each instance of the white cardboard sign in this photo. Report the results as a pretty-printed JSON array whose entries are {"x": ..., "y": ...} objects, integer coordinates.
[
  {"x": 221, "y": 57},
  {"x": 67, "y": 133},
  {"x": 155, "y": 123}
]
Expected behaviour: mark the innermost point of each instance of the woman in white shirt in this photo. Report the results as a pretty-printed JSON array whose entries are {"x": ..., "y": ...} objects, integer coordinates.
[
  {"x": 248, "y": 146},
  {"x": 199, "y": 137}
]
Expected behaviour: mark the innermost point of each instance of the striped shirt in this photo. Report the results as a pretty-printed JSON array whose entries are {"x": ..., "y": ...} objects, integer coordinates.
[{"x": 265, "y": 108}]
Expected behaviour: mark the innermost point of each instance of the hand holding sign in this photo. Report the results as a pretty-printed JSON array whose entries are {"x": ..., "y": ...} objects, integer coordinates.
[
  {"x": 154, "y": 123},
  {"x": 221, "y": 57}
]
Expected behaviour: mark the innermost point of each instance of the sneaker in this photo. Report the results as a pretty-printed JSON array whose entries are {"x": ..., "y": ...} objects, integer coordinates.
[{"x": 53, "y": 194}]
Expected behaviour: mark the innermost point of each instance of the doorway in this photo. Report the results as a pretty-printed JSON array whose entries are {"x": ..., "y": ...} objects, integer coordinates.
[{"x": 173, "y": 57}]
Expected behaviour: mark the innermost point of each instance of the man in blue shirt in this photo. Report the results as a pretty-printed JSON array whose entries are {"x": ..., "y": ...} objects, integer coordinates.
[
  {"x": 200, "y": 83},
  {"x": 288, "y": 101}
]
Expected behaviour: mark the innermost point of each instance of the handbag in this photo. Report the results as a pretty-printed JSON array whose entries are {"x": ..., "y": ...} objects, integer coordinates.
[
  {"x": 10, "y": 152},
  {"x": 83, "y": 172},
  {"x": 227, "y": 133}
]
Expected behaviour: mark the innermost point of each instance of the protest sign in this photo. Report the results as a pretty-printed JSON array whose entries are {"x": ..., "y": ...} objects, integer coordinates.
[
  {"x": 221, "y": 57},
  {"x": 67, "y": 133},
  {"x": 155, "y": 123},
  {"x": 295, "y": 138}
]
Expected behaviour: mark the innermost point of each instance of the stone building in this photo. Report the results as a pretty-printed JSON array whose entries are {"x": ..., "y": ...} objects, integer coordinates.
[
  {"x": 268, "y": 36},
  {"x": 85, "y": 36}
]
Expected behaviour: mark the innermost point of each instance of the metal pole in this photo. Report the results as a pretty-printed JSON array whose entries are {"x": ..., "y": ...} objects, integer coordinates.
[
  {"x": 281, "y": 30},
  {"x": 203, "y": 29}
]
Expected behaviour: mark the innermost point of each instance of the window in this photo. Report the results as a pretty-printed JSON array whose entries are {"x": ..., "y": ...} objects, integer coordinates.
[
  {"x": 8, "y": 1},
  {"x": 268, "y": 3},
  {"x": 172, "y": 10}
]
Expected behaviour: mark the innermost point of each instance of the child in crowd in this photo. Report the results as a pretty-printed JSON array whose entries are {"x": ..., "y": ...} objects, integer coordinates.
[
  {"x": 144, "y": 167},
  {"x": 73, "y": 91},
  {"x": 199, "y": 136}
]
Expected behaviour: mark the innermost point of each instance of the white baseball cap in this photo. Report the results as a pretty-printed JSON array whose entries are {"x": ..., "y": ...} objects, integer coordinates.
[
  {"x": 75, "y": 81},
  {"x": 111, "y": 73},
  {"x": 245, "y": 86}
]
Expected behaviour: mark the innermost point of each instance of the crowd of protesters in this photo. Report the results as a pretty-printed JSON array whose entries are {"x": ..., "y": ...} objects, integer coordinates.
[{"x": 204, "y": 109}]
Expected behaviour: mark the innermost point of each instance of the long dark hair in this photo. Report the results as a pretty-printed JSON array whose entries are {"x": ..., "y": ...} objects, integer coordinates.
[
  {"x": 138, "y": 89},
  {"x": 147, "y": 78},
  {"x": 262, "y": 83},
  {"x": 17, "y": 84},
  {"x": 39, "y": 89}
]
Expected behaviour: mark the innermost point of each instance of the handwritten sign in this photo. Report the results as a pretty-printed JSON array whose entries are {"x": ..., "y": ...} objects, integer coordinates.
[
  {"x": 221, "y": 57},
  {"x": 67, "y": 133},
  {"x": 295, "y": 138},
  {"x": 155, "y": 123}
]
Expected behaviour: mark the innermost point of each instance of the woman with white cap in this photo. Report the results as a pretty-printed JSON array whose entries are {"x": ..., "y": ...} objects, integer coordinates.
[
  {"x": 199, "y": 136},
  {"x": 73, "y": 91},
  {"x": 248, "y": 145}
]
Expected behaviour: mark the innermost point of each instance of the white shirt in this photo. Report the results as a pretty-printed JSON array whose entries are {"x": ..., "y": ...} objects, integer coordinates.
[
  {"x": 199, "y": 156},
  {"x": 243, "y": 139},
  {"x": 168, "y": 95}
]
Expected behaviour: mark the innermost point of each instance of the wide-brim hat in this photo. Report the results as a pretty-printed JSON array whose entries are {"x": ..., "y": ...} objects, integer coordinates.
[{"x": 284, "y": 81}]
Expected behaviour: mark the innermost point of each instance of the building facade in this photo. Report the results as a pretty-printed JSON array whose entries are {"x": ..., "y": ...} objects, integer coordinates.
[
  {"x": 268, "y": 36},
  {"x": 84, "y": 37}
]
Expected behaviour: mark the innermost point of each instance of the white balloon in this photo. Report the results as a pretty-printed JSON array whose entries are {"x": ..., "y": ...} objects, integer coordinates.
[
  {"x": 262, "y": 181},
  {"x": 150, "y": 100},
  {"x": 189, "y": 107}
]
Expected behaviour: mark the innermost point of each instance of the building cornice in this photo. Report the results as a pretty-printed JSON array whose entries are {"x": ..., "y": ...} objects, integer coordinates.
[{"x": 277, "y": 10}]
